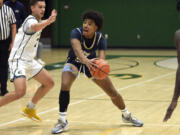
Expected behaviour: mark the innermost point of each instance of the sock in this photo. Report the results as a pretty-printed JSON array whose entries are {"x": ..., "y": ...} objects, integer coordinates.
[
  {"x": 62, "y": 116},
  {"x": 31, "y": 105},
  {"x": 64, "y": 98},
  {"x": 63, "y": 103},
  {"x": 125, "y": 112}
]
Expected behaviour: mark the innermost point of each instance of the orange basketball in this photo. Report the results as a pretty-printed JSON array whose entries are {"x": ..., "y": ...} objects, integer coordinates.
[{"x": 102, "y": 70}]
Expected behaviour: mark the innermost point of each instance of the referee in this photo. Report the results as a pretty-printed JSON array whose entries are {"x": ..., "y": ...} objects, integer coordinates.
[{"x": 7, "y": 23}]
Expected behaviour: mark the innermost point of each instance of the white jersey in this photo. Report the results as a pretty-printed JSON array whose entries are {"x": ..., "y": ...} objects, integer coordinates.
[{"x": 26, "y": 41}]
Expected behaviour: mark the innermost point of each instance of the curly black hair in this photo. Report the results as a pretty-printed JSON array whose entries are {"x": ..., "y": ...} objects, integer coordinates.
[
  {"x": 94, "y": 15},
  {"x": 178, "y": 5}
]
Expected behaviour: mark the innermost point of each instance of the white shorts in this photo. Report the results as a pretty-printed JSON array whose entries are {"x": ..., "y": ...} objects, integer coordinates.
[{"x": 22, "y": 68}]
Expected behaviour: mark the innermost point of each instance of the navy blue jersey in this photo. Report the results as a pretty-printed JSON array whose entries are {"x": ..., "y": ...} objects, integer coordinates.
[
  {"x": 89, "y": 46},
  {"x": 19, "y": 11}
]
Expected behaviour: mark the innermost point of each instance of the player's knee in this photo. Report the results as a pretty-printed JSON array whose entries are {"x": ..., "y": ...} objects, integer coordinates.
[
  {"x": 20, "y": 94},
  {"x": 67, "y": 68},
  {"x": 50, "y": 83}
]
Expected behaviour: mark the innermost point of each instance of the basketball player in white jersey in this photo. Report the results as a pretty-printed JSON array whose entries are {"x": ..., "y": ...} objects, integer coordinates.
[{"x": 21, "y": 61}]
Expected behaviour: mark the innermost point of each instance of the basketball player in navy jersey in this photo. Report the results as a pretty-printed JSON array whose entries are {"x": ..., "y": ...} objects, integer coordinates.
[
  {"x": 85, "y": 41},
  {"x": 175, "y": 97}
]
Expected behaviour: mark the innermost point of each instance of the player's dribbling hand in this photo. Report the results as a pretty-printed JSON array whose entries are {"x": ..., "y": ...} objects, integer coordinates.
[
  {"x": 170, "y": 110},
  {"x": 90, "y": 64}
]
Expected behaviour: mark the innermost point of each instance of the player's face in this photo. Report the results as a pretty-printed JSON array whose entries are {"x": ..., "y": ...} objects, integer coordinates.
[
  {"x": 89, "y": 28},
  {"x": 1, "y": 3},
  {"x": 38, "y": 9}
]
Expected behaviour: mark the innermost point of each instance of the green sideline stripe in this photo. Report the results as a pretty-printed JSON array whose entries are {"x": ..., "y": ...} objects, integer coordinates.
[{"x": 59, "y": 65}]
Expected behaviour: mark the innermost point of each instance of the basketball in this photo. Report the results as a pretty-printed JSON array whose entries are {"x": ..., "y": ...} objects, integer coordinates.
[{"x": 102, "y": 70}]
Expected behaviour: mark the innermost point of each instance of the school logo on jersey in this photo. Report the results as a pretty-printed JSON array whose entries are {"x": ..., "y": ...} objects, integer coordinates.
[{"x": 86, "y": 53}]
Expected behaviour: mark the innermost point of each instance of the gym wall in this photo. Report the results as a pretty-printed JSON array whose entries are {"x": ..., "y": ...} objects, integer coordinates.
[{"x": 127, "y": 23}]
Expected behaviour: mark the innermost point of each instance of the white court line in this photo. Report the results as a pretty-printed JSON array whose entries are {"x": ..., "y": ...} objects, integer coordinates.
[
  {"x": 119, "y": 123},
  {"x": 145, "y": 125},
  {"x": 93, "y": 97}
]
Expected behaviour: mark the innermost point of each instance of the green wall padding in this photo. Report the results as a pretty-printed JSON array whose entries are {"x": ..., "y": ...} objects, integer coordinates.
[{"x": 128, "y": 23}]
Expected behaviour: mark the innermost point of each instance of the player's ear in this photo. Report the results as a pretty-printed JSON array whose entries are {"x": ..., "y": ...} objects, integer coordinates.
[
  {"x": 96, "y": 27},
  {"x": 32, "y": 8}
]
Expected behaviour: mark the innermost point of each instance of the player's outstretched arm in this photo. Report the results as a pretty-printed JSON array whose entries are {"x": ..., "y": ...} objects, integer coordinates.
[{"x": 40, "y": 26}]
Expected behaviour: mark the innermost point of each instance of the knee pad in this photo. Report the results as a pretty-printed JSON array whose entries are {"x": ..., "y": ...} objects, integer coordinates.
[{"x": 67, "y": 68}]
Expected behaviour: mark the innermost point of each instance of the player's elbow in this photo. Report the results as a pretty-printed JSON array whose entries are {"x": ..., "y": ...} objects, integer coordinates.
[{"x": 49, "y": 84}]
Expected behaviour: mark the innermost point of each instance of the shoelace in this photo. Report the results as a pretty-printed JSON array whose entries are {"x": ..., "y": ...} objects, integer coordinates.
[
  {"x": 133, "y": 118},
  {"x": 60, "y": 124}
]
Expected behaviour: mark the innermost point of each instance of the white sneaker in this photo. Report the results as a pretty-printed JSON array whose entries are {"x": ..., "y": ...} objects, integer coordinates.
[
  {"x": 41, "y": 62},
  {"x": 60, "y": 127},
  {"x": 131, "y": 119}
]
